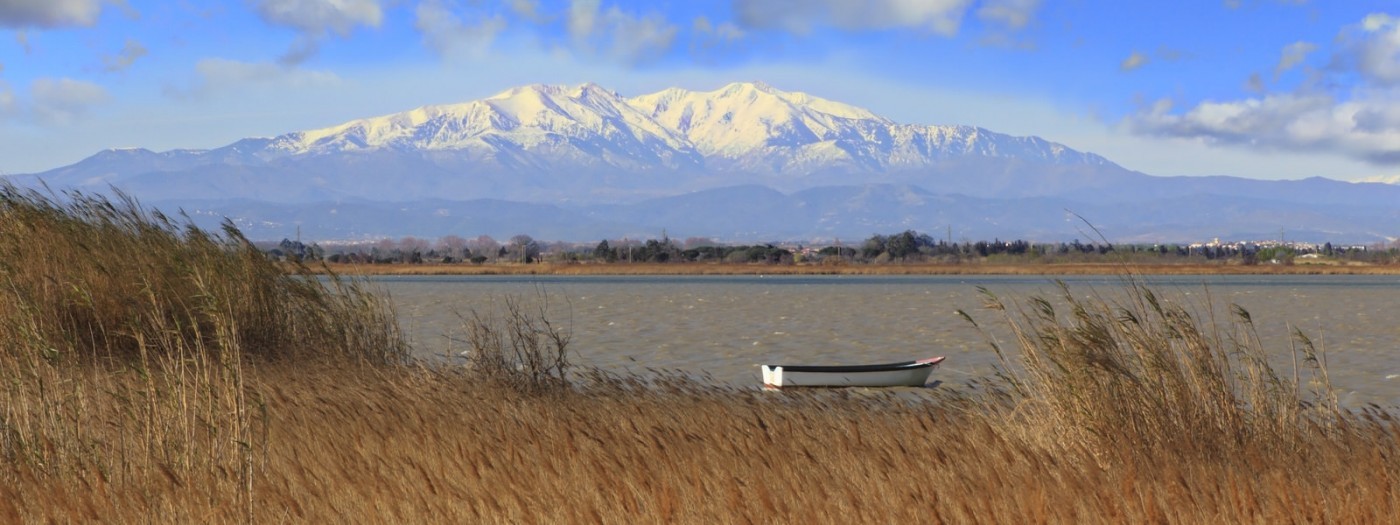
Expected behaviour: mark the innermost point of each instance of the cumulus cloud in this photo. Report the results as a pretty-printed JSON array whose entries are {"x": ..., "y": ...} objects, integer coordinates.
[
  {"x": 942, "y": 17},
  {"x": 1372, "y": 48},
  {"x": 1134, "y": 61},
  {"x": 130, "y": 52},
  {"x": 63, "y": 100},
  {"x": 17, "y": 14},
  {"x": 214, "y": 75},
  {"x": 1366, "y": 127},
  {"x": 618, "y": 34},
  {"x": 1361, "y": 121},
  {"x": 448, "y": 34},
  {"x": 316, "y": 19}
]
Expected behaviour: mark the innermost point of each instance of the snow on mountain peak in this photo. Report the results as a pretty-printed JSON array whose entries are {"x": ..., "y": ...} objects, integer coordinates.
[
  {"x": 747, "y": 117},
  {"x": 740, "y": 126}
]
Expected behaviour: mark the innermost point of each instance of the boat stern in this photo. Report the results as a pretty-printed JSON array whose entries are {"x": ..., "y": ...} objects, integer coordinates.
[{"x": 772, "y": 377}]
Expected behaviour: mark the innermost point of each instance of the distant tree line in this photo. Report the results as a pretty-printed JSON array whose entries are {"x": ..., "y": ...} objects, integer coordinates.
[
  {"x": 665, "y": 250},
  {"x": 904, "y": 247}
]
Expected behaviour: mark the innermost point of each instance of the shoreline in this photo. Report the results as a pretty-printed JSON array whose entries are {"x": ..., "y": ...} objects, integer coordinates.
[{"x": 618, "y": 269}]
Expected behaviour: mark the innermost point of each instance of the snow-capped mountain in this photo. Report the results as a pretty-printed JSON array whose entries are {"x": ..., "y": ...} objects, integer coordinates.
[
  {"x": 647, "y": 161},
  {"x": 587, "y": 144},
  {"x": 754, "y": 127},
  {"x": 534, "y": 126},
  {"x": 741, "y": 127}
]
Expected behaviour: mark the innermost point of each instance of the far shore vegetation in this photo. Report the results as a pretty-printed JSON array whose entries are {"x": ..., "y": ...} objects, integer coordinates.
[
  {"x": 151, "y": 371},
  {"x": 908, "y": 252}
]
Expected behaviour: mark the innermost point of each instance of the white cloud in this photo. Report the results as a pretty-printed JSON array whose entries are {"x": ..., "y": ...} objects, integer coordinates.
[
  {"x": 130, "y": 52},
  {"x": 63, "y": 100},
  {"x": 1014, "y": 14},
  {"x": 448, "y": 34},
  {"x": 315, "y": 19},
  {"x": 48, "y": 13},
  {"x": 942, "y": 17},
  {"x": 1372, "y": 48},
  {"x": 617, "y": 34},
  {"x": 1361, "y": 122},
  {"x": 1134, "y": 61},
  {"x": 1292, "y": 55},
  {"x": 1366, "y": 127}
]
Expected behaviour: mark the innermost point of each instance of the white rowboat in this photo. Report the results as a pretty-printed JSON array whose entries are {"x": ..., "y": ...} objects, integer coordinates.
[{"x": 907, "y": 373}]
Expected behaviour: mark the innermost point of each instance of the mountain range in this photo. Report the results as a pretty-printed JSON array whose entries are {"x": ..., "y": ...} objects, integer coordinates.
[{"x": 746, "y": 162}]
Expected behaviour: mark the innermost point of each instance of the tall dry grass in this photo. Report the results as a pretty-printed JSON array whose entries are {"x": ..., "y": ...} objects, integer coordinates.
[
  {"x": 126, "y": 339},
  {"x": 1140, "y": 374},
  {"x": 360, "y": 445},
  {"x": 158, "y": 373}
]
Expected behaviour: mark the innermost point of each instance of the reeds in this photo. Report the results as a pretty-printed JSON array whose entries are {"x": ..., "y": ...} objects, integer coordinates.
[
  {"x": 1140, "y": 374},
  {"x": 159, "y": 373},
  {"x": 438, "y": 445},
  {"x": 127, "y": 340}
]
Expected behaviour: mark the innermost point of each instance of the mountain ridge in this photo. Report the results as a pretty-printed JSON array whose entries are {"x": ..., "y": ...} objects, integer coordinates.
[{"x": 586, "y": 147}]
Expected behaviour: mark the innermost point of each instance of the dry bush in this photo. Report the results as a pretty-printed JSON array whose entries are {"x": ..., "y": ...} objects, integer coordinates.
[{"x": 521, "y": 347}]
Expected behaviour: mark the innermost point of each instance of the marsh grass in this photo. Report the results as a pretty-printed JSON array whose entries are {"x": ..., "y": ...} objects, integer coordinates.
[
  {"x": 438, "y": 445},
  {"x": 159, "y": 373},
  {"x": 128, "y": 338},
  {"x": 1136, "y": 375}
]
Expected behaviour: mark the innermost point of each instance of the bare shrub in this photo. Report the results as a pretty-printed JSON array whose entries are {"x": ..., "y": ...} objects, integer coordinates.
[{"x": 520, "y": 346}]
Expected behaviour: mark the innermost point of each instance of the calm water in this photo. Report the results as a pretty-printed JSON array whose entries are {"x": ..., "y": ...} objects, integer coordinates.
[{"x": 724, "y": 327}]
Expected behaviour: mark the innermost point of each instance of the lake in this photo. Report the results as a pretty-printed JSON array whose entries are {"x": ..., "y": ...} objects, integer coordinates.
[{"x": 723, "y": 327}]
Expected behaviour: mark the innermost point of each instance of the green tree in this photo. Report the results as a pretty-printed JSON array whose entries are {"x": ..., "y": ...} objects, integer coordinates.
[{"x": 603, "y": 252}]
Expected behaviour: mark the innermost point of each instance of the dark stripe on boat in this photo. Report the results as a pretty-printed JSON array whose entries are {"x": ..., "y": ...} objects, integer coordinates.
[{"x": 858, "y": 368}]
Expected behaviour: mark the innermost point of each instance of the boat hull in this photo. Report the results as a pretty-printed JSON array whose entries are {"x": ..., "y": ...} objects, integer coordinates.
[{"x": 909, "y": 373}]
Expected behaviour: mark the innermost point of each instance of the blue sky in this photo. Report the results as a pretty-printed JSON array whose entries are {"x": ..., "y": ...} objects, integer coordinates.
[{"x": 1273, "y": 89}]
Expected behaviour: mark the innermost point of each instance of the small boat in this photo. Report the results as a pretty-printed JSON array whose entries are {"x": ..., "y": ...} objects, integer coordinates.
[{"x": 907, "y": 373}]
